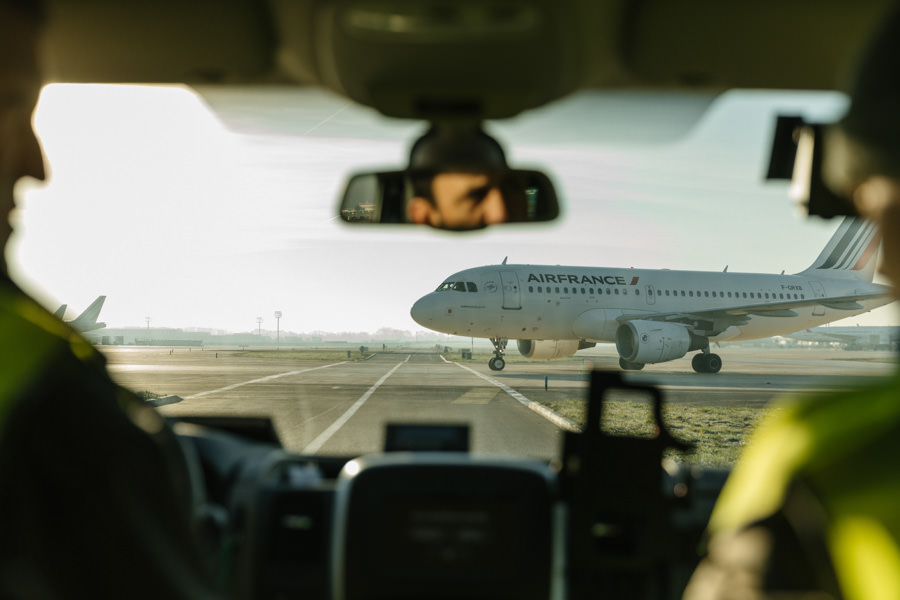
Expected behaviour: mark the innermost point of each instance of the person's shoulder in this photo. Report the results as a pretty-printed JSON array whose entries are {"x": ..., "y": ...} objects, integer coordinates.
[
  {"x": 800, "y": 434},
  {"x": 833, "y": 412},
  {"x": 32, "y": 333}
]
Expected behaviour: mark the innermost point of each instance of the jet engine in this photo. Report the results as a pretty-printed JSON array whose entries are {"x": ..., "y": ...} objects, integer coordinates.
[
  {"x": 546, "y": 349},
  {"x": 654, "y": 342}
]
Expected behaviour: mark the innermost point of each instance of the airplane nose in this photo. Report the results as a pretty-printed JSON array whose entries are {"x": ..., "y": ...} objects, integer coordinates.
[{"x": 422, "y": 311}]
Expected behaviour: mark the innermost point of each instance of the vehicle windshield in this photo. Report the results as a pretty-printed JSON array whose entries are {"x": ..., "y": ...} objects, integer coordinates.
[{"x": 207, "y": 220}]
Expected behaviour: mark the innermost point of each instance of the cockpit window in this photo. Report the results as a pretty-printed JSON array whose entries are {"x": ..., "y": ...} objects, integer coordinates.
[{"x": 457, "y": 286}]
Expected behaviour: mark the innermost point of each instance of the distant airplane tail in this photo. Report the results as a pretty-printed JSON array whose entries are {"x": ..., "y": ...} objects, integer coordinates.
[
  {"x": 850, "y": 253},
  {"x": 87, "y": 320}
]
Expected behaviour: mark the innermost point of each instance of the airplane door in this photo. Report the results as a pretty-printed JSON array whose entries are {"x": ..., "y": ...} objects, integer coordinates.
[
  {"x": 511, "y": 296},
  {"x": 818, "y": 292},
  {"x": 650, "y": 293}
]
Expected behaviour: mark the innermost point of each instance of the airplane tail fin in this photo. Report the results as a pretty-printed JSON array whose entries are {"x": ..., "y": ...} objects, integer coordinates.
[
  {"x": 61, "y": 311},
  {"x": 88, "y": 319},
  {"x": 850, "y": 253}
]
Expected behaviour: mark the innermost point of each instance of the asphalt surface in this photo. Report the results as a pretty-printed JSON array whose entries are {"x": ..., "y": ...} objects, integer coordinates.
[{"x": 340, "y": 407}]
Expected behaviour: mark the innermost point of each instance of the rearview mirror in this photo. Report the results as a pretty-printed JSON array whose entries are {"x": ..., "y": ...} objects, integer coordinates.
[
  {"x": 457, "y": 179},
  {"x": 456, "y": 199},
  {"x": 450, "y": 199}
]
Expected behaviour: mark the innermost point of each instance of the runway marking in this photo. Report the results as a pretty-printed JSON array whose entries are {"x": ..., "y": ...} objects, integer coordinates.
[
  {"x": 261, "y": 380},
  {"x": 323, "y": 437},
  {"x": 317, "y": 415},
  {"x": 561, "y": 422},
  {"x": 477, "y": 396}
]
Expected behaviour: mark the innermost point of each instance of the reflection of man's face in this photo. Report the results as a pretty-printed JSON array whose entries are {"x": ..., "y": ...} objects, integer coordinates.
[
  {"x": 20, "y": 153},
  {"x": 461, "y": 201}
]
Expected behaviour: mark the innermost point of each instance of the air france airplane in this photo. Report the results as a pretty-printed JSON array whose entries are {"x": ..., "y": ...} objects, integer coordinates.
[{"x": 653, "y": 316}]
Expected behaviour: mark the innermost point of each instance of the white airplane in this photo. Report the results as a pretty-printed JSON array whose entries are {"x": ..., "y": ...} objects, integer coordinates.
[
  {"x": 655, "y": 315},
  {"x": 86, "y": 321}
]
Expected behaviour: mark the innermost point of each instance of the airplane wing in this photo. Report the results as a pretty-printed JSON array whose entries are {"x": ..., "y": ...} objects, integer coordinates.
[
  {"x": 840, "y": 337},
  {"x": 817, "y": 335},
  {"x": 714, "y": 321}
]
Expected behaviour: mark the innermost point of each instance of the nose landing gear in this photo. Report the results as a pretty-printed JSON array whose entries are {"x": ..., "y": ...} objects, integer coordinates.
[{"x": 497, "y": 363}]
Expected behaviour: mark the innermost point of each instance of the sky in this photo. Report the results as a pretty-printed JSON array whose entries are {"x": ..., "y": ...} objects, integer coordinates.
[{"x": 210, "y": 208}]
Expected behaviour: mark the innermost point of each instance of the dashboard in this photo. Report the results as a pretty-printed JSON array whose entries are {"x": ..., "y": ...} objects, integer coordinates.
[{"x": 615, "y": 517}]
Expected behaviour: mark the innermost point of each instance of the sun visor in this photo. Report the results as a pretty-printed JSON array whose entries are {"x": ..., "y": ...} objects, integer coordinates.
[{"x": 165, "y": 41}]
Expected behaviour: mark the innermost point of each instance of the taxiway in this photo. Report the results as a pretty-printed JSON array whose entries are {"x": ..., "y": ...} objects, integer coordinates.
[{"x": 340, "y": 407}]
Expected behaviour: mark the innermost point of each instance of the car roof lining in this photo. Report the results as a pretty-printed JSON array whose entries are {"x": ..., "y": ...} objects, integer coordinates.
[{"x": 647, "y": 44}]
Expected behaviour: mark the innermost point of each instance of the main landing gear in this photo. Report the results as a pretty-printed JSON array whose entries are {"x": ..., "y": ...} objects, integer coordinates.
[
  {"x": 497, "y": 363},
  {"x": 706, "y": 362}
]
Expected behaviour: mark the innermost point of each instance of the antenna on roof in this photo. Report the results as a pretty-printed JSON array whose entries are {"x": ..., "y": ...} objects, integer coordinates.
[{"x": 504, "y": 260}]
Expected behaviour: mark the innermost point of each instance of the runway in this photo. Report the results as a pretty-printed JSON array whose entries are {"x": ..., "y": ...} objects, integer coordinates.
[{"x": 340, "y": 406}]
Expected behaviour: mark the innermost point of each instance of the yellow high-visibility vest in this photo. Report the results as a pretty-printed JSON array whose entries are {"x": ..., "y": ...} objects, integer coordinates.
[
  {"x": 31, "y": 339},
  {"x": 845, "y": 447}
]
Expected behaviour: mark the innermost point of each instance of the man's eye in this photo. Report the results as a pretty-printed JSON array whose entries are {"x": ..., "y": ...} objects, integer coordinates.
[{"x": 478, "y": 194}]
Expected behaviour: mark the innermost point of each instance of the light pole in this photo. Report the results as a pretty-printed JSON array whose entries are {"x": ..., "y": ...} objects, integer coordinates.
[
  {"x": 259, "y": 321},
  {"x": 277, "y": 329}
]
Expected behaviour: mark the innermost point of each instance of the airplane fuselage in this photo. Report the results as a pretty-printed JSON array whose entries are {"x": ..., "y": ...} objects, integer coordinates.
[{"x": 547, "y": 302}]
